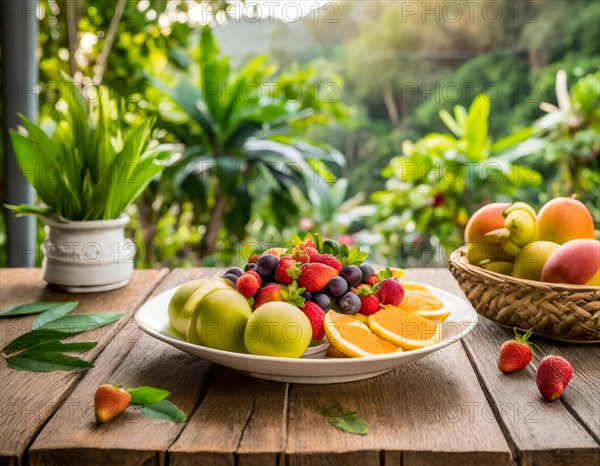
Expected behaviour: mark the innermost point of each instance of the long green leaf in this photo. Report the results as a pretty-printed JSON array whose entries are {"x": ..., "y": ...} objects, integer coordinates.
[
  {"x": 55, "y": 313},
  {"x": 33, "y": 308},
  {"x": 75, "y": 347},
  {"x": 33, "y": 338},
  {"x": 83, "y": 322},
  {"x": 147, "y": 395},
  {"x": 46, "y": 362},
  {"x": 164, "y": 410}
]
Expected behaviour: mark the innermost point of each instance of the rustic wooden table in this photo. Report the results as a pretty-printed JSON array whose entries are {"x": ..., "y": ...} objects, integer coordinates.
[{"x": 453, "y": 407}]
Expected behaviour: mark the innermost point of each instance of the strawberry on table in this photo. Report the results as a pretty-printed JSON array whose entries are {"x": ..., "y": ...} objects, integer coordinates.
[
  {"x": 515, "y": 354},
  {"x": 110, "y": 401},
  {"x": 553, "y": 375},
  {"x": 314, "y": 276}
]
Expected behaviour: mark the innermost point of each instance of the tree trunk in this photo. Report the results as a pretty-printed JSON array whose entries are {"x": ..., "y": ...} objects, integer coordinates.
[
  {"x": 213, "y": 227},
  {"x": 73, "y": 14},
  {"x": 390, "y": 103}
]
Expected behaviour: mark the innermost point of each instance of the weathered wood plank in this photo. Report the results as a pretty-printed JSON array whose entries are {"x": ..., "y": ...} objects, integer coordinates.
[
  {"x": 432, "y": 411},
  {"x": 132, "y": 359},
  {"x": 28, "y": 399},
  {"x": 240, "y": 416},
  {"x": 538, "y": 432}
]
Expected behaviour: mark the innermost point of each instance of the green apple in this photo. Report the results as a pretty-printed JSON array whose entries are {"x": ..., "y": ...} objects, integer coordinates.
[
  {"x": 220, "y": 321},
  {"x": 278, "y": 329},
  {"x": 178, "y": 301}
]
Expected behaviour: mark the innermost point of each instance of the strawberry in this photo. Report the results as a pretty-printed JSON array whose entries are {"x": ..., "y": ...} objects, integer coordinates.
[
  {"x": 553, "y": 375},
  {"x": 369, "y": 299},
  {"x": 390, "y": 291},
  {"x": 309, "y": 242},
  {"x": 270, "y": 292},
  {"x": 110, "y": 401},
  {"x": 287, "y": 271},
  {"x": 299, "y": 254},
  {"x": 249, "y": 283},
  {"x": 314, "y": 276},
  {"x": 373, "y": 279},
  {"x": 515, "y": 354},
  {"x": 316, "y": 316},
  {"x": 330, "y": 260},
  {"x": 313, "y": 254}
]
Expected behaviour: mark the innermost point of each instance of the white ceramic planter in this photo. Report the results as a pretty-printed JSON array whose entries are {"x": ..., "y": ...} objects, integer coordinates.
[{"x": 89, "y": 256}]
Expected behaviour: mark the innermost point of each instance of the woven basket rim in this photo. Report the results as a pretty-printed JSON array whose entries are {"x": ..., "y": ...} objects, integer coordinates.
[{"x": 459, "y": 259}]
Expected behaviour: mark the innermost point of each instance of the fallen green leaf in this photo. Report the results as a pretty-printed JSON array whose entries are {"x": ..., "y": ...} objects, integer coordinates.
[
  {"x": 77, "y": 347},
  {"x": 346, "y": 421},
  {"x": 82, "y": 323},
  {"x": 46, "y": 361},
  {"x": 26, "y": 309},
  {"x": 147, "y": 395},
  {"x": 55, "y": 313},
  {"x": 164, "y": 410}
]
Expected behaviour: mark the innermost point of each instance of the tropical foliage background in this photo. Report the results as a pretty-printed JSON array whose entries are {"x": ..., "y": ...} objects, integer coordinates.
[{"x": 374, "y": 122}]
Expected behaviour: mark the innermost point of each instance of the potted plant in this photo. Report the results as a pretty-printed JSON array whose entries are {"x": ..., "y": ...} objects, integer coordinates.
[{"x": 86, "y": 174}]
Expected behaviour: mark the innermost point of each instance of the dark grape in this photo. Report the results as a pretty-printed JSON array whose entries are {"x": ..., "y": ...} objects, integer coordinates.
[
  {"x": 267, "y": 264},
  {"x": 352, "y": 274},
  {"x": 234, "y": 270},
  {"x": 330, "y": 246},
  {"x": 250, "y": 266},
  {"x": 231, "y": 276},
  {"x": 337, "y": 286},
  {"x": 367, "y": 271},
  {"x": 307, "y": 295},
  {"x": 322, "y": 300},
  {"x": 349, "y": 303}
]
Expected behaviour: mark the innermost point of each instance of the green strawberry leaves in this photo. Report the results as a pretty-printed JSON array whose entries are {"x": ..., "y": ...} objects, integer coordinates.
[
  {"x": 147, "y": 395},
  {"x": 352, "y": 256},
  {"x": 293, "y": 295},
  {"x": 41, "y": 349},
  {"x": 383, "y": 274},
  {"x": 345, "y": 421}
]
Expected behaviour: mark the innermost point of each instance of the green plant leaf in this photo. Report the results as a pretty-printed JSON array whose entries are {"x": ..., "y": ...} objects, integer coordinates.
[
  {"x": 164, "y": 410},
  {"x": 55, "y": 313},
  {"x": 145, "y": 396},
  {"x": 346, "y": 421},
  {"x": 27, "y": 309},
  {"x": 82, "y": 323},
  {"x": 29, "y": 339},
  {"x": 61, "y": 328},
  {"x": 46, "y": 361},
  {"x": 75, "y": 347}
]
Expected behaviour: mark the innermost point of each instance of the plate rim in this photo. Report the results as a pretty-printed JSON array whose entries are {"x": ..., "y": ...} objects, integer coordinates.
[{"x": 472, "y": 323}]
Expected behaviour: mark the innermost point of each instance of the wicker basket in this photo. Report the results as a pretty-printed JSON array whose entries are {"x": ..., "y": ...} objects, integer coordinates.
[{"x": 564, "y": 312}]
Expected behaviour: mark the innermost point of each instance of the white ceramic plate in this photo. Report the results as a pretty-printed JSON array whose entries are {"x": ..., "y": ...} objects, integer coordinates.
[{"x": 152, "y": 318}]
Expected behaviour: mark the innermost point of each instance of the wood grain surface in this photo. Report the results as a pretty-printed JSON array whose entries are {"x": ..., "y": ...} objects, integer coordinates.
[
  {"x": 28, "y": 399},
  {"x": 539, "y": 433},
  {"x": 132, "y": 359},
  {"x": 453, "y": 407}
]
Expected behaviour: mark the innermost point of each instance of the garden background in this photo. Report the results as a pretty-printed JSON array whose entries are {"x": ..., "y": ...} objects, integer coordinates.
[{"x": 384, "y": 124}]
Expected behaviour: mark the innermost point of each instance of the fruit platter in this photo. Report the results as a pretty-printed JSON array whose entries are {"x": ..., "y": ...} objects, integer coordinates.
[
  {"x": 312, "y": 311},
  {"x": 537, "y": 271}
]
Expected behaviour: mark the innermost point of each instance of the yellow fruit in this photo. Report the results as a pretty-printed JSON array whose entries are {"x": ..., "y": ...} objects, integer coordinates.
[
  {"x": 397, "y": 273},
  {"x": 177, "y": 303},
  {"x": 407, "y": 330},
  {"x": 496, "y": 236},
  {"x": 520, "y": 206},
  {"x": 351, "y": 337},
  {"x": 521, "y": 225},
  {"x": 564, "y": 219},
  {"x": 212, "y": 285},
  {"x": 509, "y": 247},
  {"x": 531, "y": 259},
  {"x": 505, "y": 268},
  {"x": 333, "y": 353},
  {"x": 486, "y": 219},
  {"x": 419, "y": 300}
]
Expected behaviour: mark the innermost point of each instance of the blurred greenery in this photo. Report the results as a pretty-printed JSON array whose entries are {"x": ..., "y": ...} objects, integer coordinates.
[{"x": 353, "y": 78}]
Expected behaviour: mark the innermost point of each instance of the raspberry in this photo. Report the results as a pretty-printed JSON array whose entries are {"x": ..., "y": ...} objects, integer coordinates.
[
  {"x": 390, "y": 291},
  {"x": 316, "y": 316},
  {"x": 248, "y": 284}
]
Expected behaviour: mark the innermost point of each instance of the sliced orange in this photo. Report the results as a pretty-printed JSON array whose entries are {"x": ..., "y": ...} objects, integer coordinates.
[
  {"x": 351, "y": 337},
  {"x": 333, "y": 353},
  {"x": 397, "y": 273},
  {"x": 418, "y": 297},
  {"x": 407, "y": 330}
]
